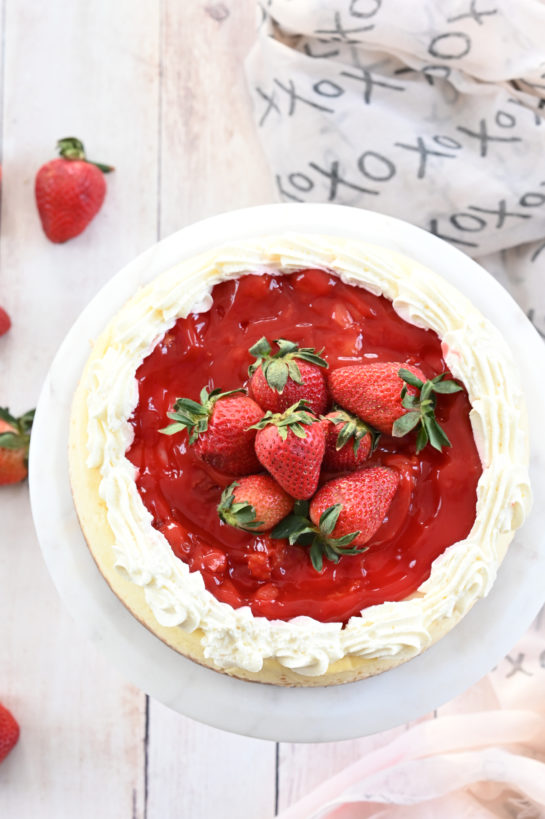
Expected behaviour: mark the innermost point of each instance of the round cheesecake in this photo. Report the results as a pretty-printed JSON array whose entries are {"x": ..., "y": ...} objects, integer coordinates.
[{"x": 239, "y": 602}]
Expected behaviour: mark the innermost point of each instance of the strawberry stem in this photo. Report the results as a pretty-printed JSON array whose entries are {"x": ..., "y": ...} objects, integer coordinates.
[
  {"x": 292, "y": 419},
  {"x": 297, "y": 528},
  {"x": 72, "y": 148},
  {"x": 350, "y": 426},
  {"x": 239, "y": 514},
  {"x": 190, "y": 415},
  {"x": 279, "y": 366},
  {"x": 102, "y": 167},
  {"x": 421, "y": 410},
  {"x": 19, "y": 436}
]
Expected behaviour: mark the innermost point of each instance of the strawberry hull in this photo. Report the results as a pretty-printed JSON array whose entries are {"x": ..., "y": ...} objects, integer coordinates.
[
  {"x": 314, "y": 390},
  {"x": 433, "y": 507},
  {"x": 339, "y": 455}
]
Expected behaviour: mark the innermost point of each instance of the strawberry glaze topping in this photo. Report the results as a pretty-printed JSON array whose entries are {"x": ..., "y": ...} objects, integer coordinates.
[{"x": 433, "y": 507}]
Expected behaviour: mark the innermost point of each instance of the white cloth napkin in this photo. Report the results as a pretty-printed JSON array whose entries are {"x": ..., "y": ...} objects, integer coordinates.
[{"x": 431, "y": 111}]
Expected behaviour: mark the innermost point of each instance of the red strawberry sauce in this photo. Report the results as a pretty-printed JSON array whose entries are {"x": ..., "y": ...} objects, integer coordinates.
[{"x": 433, "y": 508}]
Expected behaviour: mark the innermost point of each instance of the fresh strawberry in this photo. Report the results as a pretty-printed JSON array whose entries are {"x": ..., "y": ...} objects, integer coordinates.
[
  {"x": 281, "y": 379},
  {"x": 345, "y": 513},
  {"x": 297, "y": 528},
  {"x": 5, "y": 321},
  {"x": 372, "y": 391},
  {"x": 256, "y": 503},
  {"x": 220, "y": 429},
  {"x": 9, "y": 731},
  {"x": 14, "y": 444},
  {"x": 394, "y": 398},
  {"x": 291, "y": 447},
  {"x": 363, "y": 498},
  {"x": 69, "y": 191},
  {"x": 348, "y": 442}
]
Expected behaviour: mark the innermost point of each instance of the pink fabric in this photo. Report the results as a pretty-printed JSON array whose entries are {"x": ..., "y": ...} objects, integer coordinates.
[{"x": 482, "y": 755}]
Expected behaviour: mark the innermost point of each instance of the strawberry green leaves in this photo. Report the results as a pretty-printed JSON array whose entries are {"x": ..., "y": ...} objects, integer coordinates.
[
  {"x": 295, "y": 418},
  {"x": 18, "y": 437},
  {"x": 194, "y": 417},
  {"x": 241, "y": 515},
  {"x": 255, "y": 503},
  {"x": 72, "y": 148},
  {"x": 297, "y": 528},
  {"x": 421, "y": 410},
  {"x": 279, "y": 366},
  {"x": 351, "y": 427}
]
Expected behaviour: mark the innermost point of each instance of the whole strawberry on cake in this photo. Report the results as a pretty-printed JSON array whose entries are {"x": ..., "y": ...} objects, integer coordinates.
[{"x": 302, "y": 467}]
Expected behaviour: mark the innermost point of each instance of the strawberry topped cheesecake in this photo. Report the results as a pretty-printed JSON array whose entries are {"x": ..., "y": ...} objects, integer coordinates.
[{"x": 299, "y": 459}]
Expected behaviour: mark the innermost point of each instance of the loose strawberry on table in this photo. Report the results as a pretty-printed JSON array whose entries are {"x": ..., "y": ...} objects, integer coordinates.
[
  {"x": 14, "y": 445},
  {"x": 255, "y": 503},
  {"x": 69, "y": 191},
  {"x": 349, "y": 441},
  {"x": 220, "y": 428},
  {"x": 291, "y": 447},
  {"x": 5, "y": 321},
  {"x": 280, "y": 379},
  {"x": 9, "y": 731},
  {"x": 393, "y": 397}
]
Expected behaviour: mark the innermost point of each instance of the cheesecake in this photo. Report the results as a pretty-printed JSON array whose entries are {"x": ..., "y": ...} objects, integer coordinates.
[{"x": 248, "y": 603}]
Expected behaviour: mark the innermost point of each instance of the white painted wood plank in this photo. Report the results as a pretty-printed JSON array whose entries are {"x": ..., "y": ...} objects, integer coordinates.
[
  {"x": 81, "y": 747},
  {"x": 89, "y": 70},
  {"x": 211, "y": 162},
  {"x": 200, "y": 772},
  {"x": 211, "y": 159}
]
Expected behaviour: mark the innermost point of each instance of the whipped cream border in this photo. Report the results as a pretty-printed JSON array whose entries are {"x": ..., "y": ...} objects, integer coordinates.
[{"x": 475, "y": 353}]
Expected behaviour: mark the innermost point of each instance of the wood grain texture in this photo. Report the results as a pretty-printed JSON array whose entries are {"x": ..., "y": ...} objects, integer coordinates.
[
  {"x": 211, "y": 160},
  {"x": 82, "y": 740},
  {"x": 89, "y": 70},
  {"x": 201, "y": 772},
  {"x": 69, "y": 68}
]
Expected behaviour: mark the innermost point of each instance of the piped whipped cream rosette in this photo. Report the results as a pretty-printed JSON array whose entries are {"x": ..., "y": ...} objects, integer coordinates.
[{"x": 283, "y": 585}]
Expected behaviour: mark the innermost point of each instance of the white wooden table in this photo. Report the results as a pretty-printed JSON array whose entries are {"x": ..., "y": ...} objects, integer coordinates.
[{"x": 156, "y": 88}]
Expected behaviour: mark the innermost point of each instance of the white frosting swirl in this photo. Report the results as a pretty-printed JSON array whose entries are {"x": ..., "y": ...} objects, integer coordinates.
[{"x": 475, "y": 353}]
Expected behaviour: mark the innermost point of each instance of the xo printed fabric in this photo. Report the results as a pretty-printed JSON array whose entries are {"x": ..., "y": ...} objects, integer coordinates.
[{"x": 433, "y": 112}]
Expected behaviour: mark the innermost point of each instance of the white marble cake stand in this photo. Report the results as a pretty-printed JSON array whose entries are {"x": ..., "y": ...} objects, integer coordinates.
[{"x": 486, "y": 634}]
